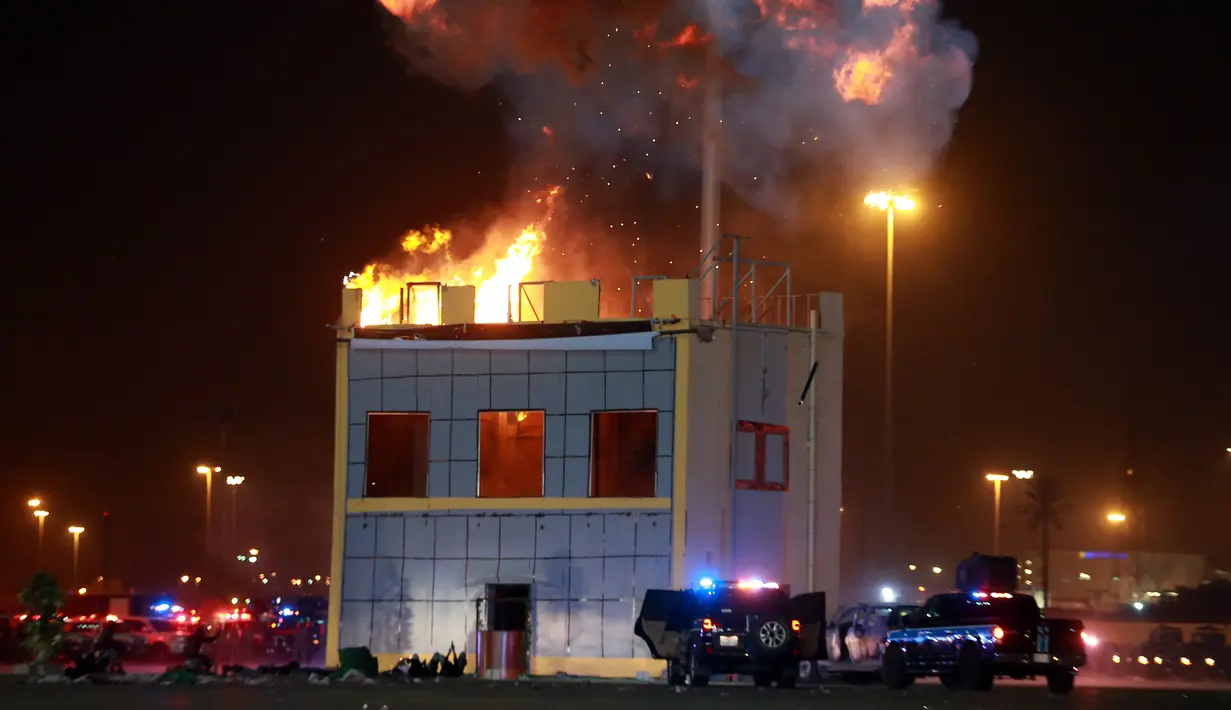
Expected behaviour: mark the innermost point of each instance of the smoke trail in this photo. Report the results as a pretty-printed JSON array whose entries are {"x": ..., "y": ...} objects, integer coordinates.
[{"x": 616, "y": 85}]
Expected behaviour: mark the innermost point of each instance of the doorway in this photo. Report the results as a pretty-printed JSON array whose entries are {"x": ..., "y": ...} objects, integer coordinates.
[{"x": 508, "y": 607}]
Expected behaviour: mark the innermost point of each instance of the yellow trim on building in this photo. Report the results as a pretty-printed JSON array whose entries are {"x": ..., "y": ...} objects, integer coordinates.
[
  {"x": 341, "y": 432},
  {"x": 679, "y": 460},
  {"x": 413, "y": 505}
]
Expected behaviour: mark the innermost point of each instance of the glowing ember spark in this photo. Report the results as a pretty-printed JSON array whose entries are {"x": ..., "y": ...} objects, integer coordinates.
[{"x": 389, "y": 291}]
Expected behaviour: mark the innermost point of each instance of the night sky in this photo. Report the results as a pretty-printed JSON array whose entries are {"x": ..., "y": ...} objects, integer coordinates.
[{"x": 187, "y": 185}]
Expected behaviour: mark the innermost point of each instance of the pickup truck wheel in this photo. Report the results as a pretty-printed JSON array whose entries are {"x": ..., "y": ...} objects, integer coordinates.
[
  {"x": 952, "y": 681},
  {"x": 893, "y": 669},
  {"x": 696, "y": 675},
  {"x": 976, "y": 672},
  {"x": 1060, "y": 682},
  {"x": 675, "y": 674}
]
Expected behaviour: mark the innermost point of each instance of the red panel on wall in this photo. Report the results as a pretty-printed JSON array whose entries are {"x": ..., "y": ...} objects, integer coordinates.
[{"x": 761, "y": 431}]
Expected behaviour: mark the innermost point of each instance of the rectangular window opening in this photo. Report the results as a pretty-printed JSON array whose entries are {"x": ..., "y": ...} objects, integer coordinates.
[
  {"x": 511, "y": 454},
  {"x": 623, "y": 454},
  {"x": 397, "y": 454}
]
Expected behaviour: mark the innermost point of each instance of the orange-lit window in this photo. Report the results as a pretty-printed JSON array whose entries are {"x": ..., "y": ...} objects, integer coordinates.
[
  {"x": 623, "y": 454},
  {"x": 510, "y": 454},
  {"x": 397, "y": 454}
]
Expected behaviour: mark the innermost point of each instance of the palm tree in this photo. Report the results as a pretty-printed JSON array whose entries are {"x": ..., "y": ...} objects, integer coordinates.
[{"x": 1045, "y": 509}]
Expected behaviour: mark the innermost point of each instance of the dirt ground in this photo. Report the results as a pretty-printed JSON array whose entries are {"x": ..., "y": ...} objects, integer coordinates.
[{"x": 535, "y": 695}]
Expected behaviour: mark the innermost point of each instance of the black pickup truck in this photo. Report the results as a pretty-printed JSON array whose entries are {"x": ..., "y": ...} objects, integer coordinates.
[
  {"x": 969, "y": 639},
  {"x": 744, "y": 627}
]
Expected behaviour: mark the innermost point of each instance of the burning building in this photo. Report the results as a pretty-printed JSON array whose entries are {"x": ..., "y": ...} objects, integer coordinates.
[{"x": 539, "y": 473}]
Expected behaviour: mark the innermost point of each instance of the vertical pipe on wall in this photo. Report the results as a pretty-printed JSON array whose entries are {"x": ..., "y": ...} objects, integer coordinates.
[
  {"x": 735, "y": 268},
  {"x": 813, "y": 319}
]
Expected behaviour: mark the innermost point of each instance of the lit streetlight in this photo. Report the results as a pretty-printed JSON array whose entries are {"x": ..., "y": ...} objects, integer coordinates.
[
  {"x": 1023, "y": 475},
  {"x": 208, "y": 472},
  {"x": 937, "y": 570},
  {"x": 996, "y": 479},
  {"x": 34, "y": 503},
  {"x": 890, "y": 203},
  {"x": 1116, "y": 517},
  {"x": 41, "y": 517},
  {"x": 75, "y": 531},
  {"x": 234, "y": 482}
]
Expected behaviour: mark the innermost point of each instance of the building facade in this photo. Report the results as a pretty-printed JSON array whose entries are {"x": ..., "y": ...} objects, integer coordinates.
[
  {"x": 542, "y": 474},
  {"x": 1108, "y": 580}
]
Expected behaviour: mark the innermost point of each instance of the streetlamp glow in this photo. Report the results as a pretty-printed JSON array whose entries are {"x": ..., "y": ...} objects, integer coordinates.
[
  {"x": 1023, "y": 475},
  {"x": 937, "y": 570},
  {"x": 34, "y": 502},
  {"x": 890, "y": 200},
  {"x": 75, "y": 529},
  {"x": 997, "y": 477},
  {"x": 1116, "y": 517}
]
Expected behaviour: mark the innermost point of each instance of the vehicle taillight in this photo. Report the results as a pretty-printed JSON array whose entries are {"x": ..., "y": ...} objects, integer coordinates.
[
  {"x": 707, "y": 625},
  {"x": 1089, "y": 639},
  {"x": 794, "y": 624},
  {"x": 997, "y": 633}
]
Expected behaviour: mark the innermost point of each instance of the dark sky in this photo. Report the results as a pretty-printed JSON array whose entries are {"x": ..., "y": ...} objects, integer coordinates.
[{"x": 186, "y": 185}]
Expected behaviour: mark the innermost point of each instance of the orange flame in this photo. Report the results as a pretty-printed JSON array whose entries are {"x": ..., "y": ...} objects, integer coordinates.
[
  {"x": 865, "y": 75},
  {"x": 418, "y": 11},
  {"x": 495, "y": 271},
  {"x": 689, "y": 36}
]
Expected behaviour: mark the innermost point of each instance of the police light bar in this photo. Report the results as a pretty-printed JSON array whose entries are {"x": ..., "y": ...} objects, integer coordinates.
[
  {"x": 993, "y": 595},
  {"x": 708, "y": 583}
]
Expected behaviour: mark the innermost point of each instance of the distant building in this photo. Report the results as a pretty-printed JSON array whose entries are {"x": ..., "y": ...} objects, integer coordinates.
[
  {"x": 1104, "y": 580},
  {"x": 542, "y": 474}
]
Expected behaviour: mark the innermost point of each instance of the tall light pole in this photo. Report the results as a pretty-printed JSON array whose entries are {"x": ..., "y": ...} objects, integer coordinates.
[
  {"x": 234, "y": 482},
  {"x": 41, "y": 516},
  {"x": 996, "y": 479},
  {"x": 75, "y": 531},
  {"x": 1117, "y": 519},
  {"x": 890, "y": 203},
  {"x": 208, "y": 472}
]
